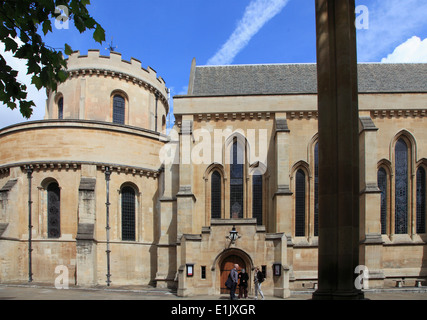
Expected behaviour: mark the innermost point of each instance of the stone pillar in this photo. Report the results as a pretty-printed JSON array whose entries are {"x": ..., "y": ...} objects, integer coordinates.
[
  {"x": 166, "y": 247},
  {"x": 283, "y": 195},
  {"x": 86, "y": 256},
  {"x": 185, "y": 197},
  {"x": 370, "y": 204},
  {"x": 338, "y": 150}
]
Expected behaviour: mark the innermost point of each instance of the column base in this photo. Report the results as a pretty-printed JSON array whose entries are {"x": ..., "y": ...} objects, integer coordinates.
[{"x": 338, "y": 295}]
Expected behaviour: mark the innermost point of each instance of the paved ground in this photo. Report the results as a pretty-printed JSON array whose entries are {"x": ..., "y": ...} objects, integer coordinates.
[{"x": 49, "y": 292}]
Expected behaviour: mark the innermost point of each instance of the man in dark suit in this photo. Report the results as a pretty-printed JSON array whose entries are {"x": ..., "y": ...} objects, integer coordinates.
[{"x": 235, "y": 277}]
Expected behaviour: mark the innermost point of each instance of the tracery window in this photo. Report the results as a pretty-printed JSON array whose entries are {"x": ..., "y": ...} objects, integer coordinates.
[
  {"x": 118, "y": 109},
  {"x": 421, "y": 200},
  {"x": 236, "y": 180},
  {"x": 53, "y": 210},
  {"x": 216, "y": 195},
  {"x": 257, "y": 202},
  {"x": 300, "y": 203},
  {"x": 401, "y": 187},
  {"x": 61, "y": 108},
  {"x": 128, "y": 214},
  {"x": 382, "y": 185}
]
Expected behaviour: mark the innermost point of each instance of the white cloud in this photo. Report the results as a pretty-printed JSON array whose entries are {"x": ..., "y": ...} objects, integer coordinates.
[
  {"x": 256, "y": 15},
  {"x": 412, "y": 50},
  {"x": 390, "y": 23},
  {"x": 9, "y": 117}
]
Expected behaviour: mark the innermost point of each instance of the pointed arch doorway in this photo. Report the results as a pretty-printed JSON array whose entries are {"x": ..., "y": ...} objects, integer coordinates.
[{"x": 226, "y": 263}]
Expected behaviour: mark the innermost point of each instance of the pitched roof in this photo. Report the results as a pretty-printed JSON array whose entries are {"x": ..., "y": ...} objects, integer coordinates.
[{"x": 270, "y": 79}]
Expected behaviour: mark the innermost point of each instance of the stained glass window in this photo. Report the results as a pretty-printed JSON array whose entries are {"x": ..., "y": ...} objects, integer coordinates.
[
  {"x": 128, "y": 214},
  {"x": 382, "y": 185},
  {"x": 300, "y": 204},
  {"x": 421, "y": 200},
  {"x": 257, "y": 197},
  {"x": 216, "y": 195},
  {"x": 401, "y": 185},
  {"x": 61, "y": 108},
  {"x": 118, "y": 109},
  {"x": 53, "y": 210},
  {"x": 236, "y": 181}
]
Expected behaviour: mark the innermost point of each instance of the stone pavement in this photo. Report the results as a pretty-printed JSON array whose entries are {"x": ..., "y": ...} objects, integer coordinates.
[{"x": 37, "y": 291}]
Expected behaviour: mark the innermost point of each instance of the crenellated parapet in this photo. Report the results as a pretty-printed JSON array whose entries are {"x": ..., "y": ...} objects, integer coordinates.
[
  {"x": 94, "y": 64},
  {"x": 110, "y": 89}
]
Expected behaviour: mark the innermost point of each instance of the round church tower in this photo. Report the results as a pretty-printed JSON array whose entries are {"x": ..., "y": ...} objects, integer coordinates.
[
  {"x": 80, "y": 189},
  {"x": 109, "y": 89}
]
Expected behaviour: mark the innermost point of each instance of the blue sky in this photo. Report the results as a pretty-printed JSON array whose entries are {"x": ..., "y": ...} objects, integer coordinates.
[{"x": 167, "y": 34}]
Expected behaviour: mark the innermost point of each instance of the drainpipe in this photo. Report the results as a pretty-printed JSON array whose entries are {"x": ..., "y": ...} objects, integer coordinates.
[
  {"x": 107, "y": 180},
  {"x": 30, "y": 227}
]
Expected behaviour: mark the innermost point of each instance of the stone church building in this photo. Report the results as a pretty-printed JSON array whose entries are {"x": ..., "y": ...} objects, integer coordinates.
[{"x": 99, "y": 187}]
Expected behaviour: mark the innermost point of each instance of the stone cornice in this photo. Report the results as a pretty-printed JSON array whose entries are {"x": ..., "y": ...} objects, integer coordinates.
[
  {"x": 76, "y": 165},
  {"x": 399, "y": 113}
]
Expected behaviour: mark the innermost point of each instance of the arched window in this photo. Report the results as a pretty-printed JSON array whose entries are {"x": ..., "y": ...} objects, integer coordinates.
[
  {"x": 118, "y": 109},
  {"x": 236, "y": 180},
  {"x": 61, "y": 108},
  {"x": 401, "y": 186},
  {"x": 257, "y": 202},
  {"x": 421, "y": 200},
  {"x": 316, "y": 189},
  {"x": 128, "y": 214},
  {"x": 53, "y": 211},
  {"x": 382, "y": 185},
  {"x": 300, "y": 203},
  {"x": 216, "y": 195}
]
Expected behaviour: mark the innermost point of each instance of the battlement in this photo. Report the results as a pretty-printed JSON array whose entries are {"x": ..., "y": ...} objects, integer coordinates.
[{"x": 113, "y": 65}]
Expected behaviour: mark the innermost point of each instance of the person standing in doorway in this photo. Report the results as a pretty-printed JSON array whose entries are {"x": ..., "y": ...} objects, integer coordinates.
[
  {"x": 258, "y": 279},
  {"x": 243, "y": 284},
  {"x": 235, "y": 278}
]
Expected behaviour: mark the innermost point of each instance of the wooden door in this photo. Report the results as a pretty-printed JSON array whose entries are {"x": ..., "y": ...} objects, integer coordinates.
[{"x": 226, "y": 267}]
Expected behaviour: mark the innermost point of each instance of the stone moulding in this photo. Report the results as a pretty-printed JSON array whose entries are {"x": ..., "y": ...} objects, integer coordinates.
[
  {"x": 76, "y": 165},
  {"x": 398, "y": 113}
]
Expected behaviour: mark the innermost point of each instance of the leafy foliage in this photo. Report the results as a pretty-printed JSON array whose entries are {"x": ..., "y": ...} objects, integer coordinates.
[{"x": 22, "y": 22}]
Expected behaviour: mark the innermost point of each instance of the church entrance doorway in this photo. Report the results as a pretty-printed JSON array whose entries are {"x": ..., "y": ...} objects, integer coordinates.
[{"x": 226, "y": 266}]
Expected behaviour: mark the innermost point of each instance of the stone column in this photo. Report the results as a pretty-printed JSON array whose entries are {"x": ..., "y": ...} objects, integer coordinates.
[
  {"x": 370, "y": 204},
  {"x": 185, "y": 197},
  {"x": 283, "y": 195},
  {"x": 338, "y": 150},
  {"x": 86, "y": 256}
]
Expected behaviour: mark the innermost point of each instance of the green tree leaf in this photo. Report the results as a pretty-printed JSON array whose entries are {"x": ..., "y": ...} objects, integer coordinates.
[{"x": 26, "y": 19}]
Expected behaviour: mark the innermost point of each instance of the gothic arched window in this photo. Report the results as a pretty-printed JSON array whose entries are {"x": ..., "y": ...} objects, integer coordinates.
[
  {"x": 421, "y": 200},
  {"x": 401, "y": 186},
  {"x": 300, "y": 203},
  {"x": 118, "y": 109},
  {"x": 257, "y": 197},
  {"x": 216, "y": 195},
  {"x": 61, "y": 108},
  {"x": 53, "y": 211},
  {"x": 236, "y": 181},
  {"x": 382, "y": 185},
  {"x": 128, "y": 214}
]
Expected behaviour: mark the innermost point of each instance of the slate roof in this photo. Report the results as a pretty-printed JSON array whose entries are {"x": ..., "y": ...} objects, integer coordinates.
[{"x": 273, "y": 79}]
